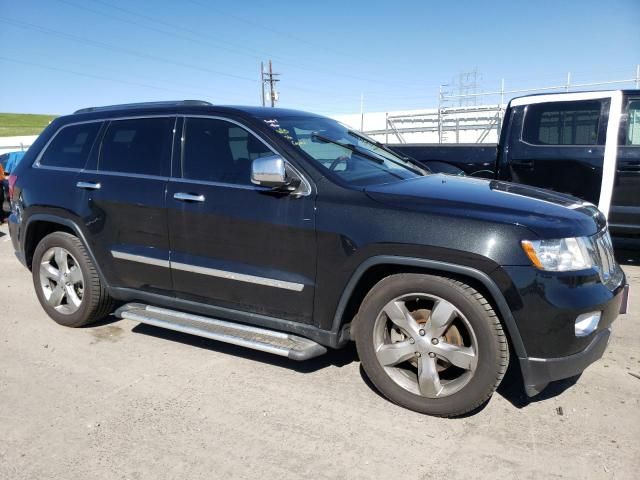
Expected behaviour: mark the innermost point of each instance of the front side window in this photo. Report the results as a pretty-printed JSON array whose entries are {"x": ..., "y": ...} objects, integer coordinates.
[
  {"x": 562, "y": 123},
  {"x": 71, "y": 146},
  {"x": 137, "y": 146},
  {"x": 219, "y": 151},
  {"x": 354, "y": 158},
  {"x": 633, "y": 123}
]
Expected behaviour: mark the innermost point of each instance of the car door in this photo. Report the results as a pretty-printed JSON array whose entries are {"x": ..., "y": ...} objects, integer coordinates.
[
  {"x": 625, "y": 203},
  {"x": 561, "y": 146},
  {"x": 234, "y": 244},
  {"x": 125, "y": 202}
]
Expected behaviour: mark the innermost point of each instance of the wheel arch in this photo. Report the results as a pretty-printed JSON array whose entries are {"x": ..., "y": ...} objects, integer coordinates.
[
  {"x": 375, "y": 268},
  {"x": 40, "y": 225}
]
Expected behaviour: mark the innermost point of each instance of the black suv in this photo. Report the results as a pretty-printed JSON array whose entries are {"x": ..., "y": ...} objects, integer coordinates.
[{"x": 286, "y": 232}]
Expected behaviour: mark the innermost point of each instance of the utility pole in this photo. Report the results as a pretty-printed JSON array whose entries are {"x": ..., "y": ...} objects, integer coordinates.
[
  {"x": 269, "y": 79},
  {"x": 362, "y": 112},
  {"x": 262, "y": 82}
]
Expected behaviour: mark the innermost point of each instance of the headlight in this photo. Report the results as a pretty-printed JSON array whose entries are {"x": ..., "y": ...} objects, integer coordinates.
[{"x": 560, "y": 255}]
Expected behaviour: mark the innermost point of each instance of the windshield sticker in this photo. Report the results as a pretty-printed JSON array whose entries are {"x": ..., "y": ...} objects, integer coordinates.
[{"x": 283, "y": 132}]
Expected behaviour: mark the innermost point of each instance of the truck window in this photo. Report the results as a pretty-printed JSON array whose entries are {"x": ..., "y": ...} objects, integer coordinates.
[
  {"x": 633, "y": 129},
  {"x": 562, "y": 123},
  {"x": 71, "y": 146}
]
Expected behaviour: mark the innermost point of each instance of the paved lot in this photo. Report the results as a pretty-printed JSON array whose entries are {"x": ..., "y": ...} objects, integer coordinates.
[{"x": 123, "y": 400}]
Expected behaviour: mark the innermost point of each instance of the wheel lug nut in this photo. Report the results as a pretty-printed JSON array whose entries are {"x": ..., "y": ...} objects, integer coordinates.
[
  {"x": 421, "y": 332},
  {"x": 411, "y": 340},
  {"x": 432, "y": 355},
  {"x": 434, "y": 341},
  {"x": 418, "y": 354}
]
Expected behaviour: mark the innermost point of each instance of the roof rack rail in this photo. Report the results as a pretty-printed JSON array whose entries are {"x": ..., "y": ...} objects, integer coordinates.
[{"x": 174, "y": 103}]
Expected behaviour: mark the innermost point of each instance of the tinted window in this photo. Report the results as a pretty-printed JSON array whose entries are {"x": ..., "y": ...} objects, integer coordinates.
[
  {"x": 219, "y": 151},
  {"x": 633, "y": 123},
  {"x": 71, "y": 146},
  {"x": 562, "y": 123},
  {"x": 141, "y": 146}
]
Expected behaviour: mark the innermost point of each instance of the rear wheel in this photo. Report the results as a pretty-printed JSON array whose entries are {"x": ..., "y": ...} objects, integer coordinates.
[
  {"x": 67, "y": 283},
  {"x": 431, "y": 344}
]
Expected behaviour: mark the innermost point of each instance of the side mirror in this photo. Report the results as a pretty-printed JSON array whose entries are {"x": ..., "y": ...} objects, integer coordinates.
[{"x": 269, "y": 172}]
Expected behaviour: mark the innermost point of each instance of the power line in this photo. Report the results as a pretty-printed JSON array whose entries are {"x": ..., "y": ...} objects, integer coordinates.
[
  {"x": 107, "y": 46},
  {"x": 248, "y": 52},
  {"x": 90, "y": 75},
  {"x": 273, "y": 30}
]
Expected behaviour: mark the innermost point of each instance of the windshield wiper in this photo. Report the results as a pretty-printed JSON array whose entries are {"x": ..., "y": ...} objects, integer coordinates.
[
  {"x": 354, "y": 148},
  {"x": 382, "y": 146}
]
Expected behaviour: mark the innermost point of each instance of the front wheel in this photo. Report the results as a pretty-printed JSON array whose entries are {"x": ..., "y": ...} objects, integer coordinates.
[{"x": 431, "y": 344}]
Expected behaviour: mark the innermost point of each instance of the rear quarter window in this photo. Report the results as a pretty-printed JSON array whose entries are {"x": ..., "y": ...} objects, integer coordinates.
[{"x": 71, "y": 146}]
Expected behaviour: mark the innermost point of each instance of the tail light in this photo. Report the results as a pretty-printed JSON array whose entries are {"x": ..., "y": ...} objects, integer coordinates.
[{"x": 12, "y": 183}]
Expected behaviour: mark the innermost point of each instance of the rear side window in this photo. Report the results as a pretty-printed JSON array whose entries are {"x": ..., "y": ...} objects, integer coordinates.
[
  {"x": 219, "y": 151},
  {"x": 562, "y": 123},
  {"x": 138, "y": 146},
  {"x": 71, "y": 146}
]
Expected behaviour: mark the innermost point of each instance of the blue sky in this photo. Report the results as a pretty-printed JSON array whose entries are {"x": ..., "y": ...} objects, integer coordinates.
[{"x": 60, "y": 55}]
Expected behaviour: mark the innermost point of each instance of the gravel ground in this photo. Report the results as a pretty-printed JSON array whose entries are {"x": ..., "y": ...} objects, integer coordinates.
[{"x": 128, "y": 401}]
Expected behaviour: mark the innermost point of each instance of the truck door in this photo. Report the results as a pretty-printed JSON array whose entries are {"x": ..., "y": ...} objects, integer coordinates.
[
  {"x": 624, "y": 216},
  {"x": 565, "y": 142}
]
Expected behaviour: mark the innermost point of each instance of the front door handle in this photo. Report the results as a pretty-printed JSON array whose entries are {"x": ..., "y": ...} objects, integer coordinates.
[
  {"x": 89, "y": 185},
  {"x": 188, "y": 197}
]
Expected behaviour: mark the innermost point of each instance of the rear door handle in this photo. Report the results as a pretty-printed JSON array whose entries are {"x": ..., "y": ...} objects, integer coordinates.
[
  {"x": 188, "y": 197},
  {"x": 89, "y": 185},
  {"x": 522, "y": 163}
]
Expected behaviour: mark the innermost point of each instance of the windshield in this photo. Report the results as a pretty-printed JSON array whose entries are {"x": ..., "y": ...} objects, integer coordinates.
[{"x": 350, "y": 155}]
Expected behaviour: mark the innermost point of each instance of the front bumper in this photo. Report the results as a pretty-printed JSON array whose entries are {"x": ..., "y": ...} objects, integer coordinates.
[
  {"x": 545, "y": 307},
  {"x": 539, "y": 372}
]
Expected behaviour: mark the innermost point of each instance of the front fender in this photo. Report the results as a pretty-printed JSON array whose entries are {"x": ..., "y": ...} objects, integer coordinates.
[{"x": 437, "y": 266}]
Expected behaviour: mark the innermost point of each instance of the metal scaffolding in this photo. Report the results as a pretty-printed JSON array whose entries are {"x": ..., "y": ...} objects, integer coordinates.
[{"x": 450, "y": 121}]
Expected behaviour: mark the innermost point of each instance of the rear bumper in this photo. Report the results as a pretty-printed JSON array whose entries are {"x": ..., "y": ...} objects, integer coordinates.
[
  {"x": 14, "y": 232},
  {"x": 539, "y": 372}
]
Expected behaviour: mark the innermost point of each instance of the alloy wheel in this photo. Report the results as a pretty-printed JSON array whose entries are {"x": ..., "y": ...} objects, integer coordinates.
[
  {"x": 61, "y": 280},
  {"x": 426, "y": 345}
]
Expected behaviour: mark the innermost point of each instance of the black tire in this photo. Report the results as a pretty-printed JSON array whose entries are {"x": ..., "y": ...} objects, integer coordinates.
[
  {"x": 95, "y": 303},
  {"x": 492, "y": 346}
]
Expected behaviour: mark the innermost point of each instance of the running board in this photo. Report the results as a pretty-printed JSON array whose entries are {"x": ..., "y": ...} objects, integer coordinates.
[{"x": 271, "y": 341}]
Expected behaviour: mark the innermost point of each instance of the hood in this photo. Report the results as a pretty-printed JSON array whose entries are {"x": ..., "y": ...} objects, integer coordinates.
[{"x": 548, "y": 214}]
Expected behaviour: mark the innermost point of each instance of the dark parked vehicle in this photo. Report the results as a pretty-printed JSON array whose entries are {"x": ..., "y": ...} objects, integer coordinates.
[
  {"x": 472, "y": 159},
  {"x": 584, "y": 144},
  {"x": 285, "y": 232}
]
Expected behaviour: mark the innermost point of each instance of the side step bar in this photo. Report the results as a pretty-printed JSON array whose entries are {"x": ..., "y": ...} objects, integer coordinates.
[{"x": 271, "y": 341}]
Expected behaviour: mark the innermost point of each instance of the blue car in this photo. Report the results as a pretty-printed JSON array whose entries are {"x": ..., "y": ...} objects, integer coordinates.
[{"x": 9, "y": 162}]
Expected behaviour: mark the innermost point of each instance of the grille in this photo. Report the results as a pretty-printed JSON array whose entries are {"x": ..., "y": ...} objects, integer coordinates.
[{"x": 603, "y": 255}]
